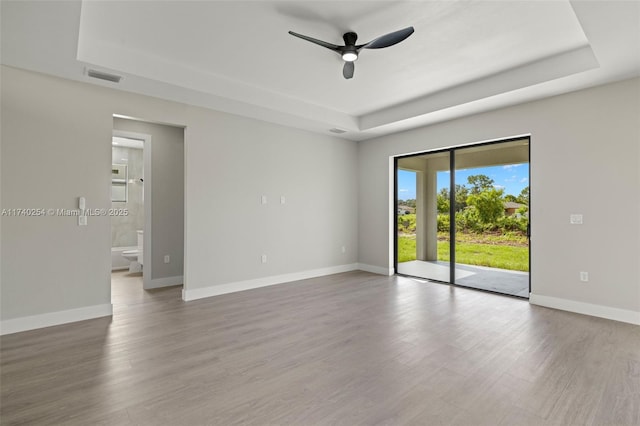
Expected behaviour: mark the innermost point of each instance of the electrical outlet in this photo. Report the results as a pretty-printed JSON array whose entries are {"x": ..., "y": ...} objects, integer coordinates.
[
  {"x": 344, "y": 249},
  {"x": 283, "y": 200},
  {"x": 584, "y": 276},
  {"x": 82, "y": 220},
  {"x": 167, "y": 258},
  {"x": 263, "y": 199},
  {"x": 575, "y": 219},
  {"x": 264, "y": 258}
]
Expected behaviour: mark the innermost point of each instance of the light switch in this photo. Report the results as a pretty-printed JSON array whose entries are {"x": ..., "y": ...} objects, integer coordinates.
[
  {"x": 283, "y": 200},
  {"x": 263, "y": 200},
  {"x": 82, "y": 221},
  {"x": 575, "y": 219}
]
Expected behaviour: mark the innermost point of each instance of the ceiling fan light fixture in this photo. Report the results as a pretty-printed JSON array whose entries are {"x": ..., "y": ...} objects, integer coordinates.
[
  {"x": 349, "y": 51},
  {"x": 349, "y": 56}
]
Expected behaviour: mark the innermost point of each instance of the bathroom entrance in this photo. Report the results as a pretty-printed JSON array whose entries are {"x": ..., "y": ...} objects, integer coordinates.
[
  {"x": 147, "y": 202},
  {"x": 127, "y": 201}
]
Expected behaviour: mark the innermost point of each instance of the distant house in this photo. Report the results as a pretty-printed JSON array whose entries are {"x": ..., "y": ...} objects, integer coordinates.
[
  {"x": 402, "y": 210},
  {"x": 510, "y": 207}
]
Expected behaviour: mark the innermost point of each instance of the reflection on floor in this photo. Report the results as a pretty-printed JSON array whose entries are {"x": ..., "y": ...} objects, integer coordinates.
[
  {"x": 126, "y": 287},
  {"x": 127, "y": 290},
  {"x": 514, "y": 283}
]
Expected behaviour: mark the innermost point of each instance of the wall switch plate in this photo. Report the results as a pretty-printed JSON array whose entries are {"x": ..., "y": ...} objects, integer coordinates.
[
  {"x": 575, "y": 219},
  {"x": 82, "y": 203},
  {"x": 167, "y": 258},
  {"x": 263, "y": 199},
  {"x": 344, "y": 249},
  {"x": 283, "y": 200},
  {"x": 82, "y": 221},
  {"x": 584, "y": 276},
  {"x": 264, "y": 258}
]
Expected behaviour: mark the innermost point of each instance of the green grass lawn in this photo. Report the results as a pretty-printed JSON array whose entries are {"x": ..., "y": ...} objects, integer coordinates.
[
  {"x": 406, "y": 249},
  {"x": 494, "y": 255}
]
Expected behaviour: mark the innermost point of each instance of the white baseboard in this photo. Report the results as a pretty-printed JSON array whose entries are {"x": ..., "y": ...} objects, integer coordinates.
[
  {"x": 216, "y": 290},
  {"x": 118, "y": 268},
  {"x": 623, "y": 315},
  {"x": 165, "y": 282},
  {"x": 375, "y": 269},
  {"x": 17, "y": 325}
]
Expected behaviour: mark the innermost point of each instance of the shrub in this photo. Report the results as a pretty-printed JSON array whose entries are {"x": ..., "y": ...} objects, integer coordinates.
[
  {"x": 443, "y": 222},
  {"x": 513, "y": 224},
  {"x": 488, "y": 205},
  {"x": 407, "y": 224}
]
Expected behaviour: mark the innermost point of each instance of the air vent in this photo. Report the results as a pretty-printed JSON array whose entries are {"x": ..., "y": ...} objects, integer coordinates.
[
  {"x": 336, "y": 130},
  {"x": 104, "y": 76}
]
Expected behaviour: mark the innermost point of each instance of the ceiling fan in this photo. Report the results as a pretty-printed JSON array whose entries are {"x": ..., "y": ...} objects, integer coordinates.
[{"x": 350, "y": 50}]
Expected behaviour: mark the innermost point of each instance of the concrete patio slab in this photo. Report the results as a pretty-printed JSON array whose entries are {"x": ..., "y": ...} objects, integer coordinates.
[{"x": 514, "y": 283}]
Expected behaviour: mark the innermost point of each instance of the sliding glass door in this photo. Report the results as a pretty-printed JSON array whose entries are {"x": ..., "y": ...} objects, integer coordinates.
[
  {"x": 419, "y": 247},
  {"x": 463, "y": 216}
]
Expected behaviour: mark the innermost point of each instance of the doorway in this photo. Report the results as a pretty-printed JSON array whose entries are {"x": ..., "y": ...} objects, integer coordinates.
[
  {"x": 130, "y": 209},
  {"x": 149, "y": 200},
  {"x": 462, "y": 216}
]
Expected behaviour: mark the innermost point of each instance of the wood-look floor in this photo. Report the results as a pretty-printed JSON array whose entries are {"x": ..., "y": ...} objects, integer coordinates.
[{"x": 348, "y": 349}]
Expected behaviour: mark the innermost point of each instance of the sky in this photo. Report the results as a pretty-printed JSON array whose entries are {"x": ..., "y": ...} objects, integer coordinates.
[{"x": 512, "y": 178}]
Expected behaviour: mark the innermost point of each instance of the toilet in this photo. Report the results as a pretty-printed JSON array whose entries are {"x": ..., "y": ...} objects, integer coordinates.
[{"x": 135, "y": 257}]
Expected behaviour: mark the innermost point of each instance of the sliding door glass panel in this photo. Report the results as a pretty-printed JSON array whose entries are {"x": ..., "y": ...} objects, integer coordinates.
[
  {"x": 422, "y": 208},
  {"x": 492, "y": 217}
]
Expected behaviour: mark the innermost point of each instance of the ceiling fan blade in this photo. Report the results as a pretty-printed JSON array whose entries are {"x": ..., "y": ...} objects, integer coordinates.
[
  {"x": 316, "y": 41},
  {"x": 388, "y": 39},
  {"x": 347, "y": 70}
]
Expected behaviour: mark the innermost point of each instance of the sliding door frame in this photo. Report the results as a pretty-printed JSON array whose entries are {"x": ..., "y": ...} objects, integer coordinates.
[{"x": 452, "y": 206}]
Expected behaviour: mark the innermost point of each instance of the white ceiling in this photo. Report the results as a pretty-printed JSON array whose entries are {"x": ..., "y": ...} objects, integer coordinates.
[{"x": 464, "y": 57}]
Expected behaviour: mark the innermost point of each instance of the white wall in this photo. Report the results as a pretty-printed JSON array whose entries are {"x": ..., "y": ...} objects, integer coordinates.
[
  {"x": 242, "y": 160},
  {"x": 584, "y": 159},
  {"x": 56, "y": 146},
  {"x": 167, "y": 195}
]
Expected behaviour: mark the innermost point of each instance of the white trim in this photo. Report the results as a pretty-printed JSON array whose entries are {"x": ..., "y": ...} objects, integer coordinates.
[
  {"x": 616, "y": 314},
  {"x": 33, "y": 322},
  {"x": 376, "y": 269},
  {"x": 147, "y": 270},
  {"x": 185, "y": 233},
  {"x": 215, "y": 290},
  {"x": 165, "y": 282}
]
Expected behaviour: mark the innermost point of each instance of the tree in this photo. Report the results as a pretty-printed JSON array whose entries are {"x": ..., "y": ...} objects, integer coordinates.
[
  {"x": 510, "y": 197},
  {"x": 443, "y": 201},
  {"x": 410, "y": 203},
  {"x": 462, "y": 192},
  {"x": 523, "y": 198},
  {"x": 489, "y": 205},
  {"x": 480, "y": 183}
]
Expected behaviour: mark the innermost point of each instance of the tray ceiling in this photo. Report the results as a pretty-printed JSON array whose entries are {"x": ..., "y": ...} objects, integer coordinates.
[{"x": 464, "y": 57}]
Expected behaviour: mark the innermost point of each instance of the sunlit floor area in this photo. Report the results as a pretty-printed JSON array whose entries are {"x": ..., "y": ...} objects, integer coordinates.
[
  {"x": 347, "y": 349},
  {"x": 514, "y": 283}
]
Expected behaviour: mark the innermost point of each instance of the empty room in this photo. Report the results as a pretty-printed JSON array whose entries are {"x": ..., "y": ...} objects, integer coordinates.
[{"x": 320, "y": 213}]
